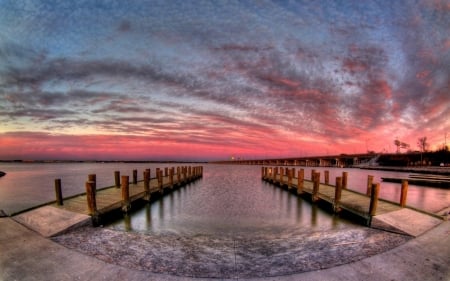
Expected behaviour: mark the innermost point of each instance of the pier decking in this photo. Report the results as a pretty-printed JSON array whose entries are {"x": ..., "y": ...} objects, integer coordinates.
[
  {"x": 99, "y": 202},
  {"x": 339, "y": 197}
]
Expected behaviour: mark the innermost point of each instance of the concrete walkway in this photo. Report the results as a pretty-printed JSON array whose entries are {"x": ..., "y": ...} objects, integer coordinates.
[{"x": 27, "y": 255}]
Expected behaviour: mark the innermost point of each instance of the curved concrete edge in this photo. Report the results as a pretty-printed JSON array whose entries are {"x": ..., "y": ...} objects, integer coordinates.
[
  {"x": 426, "y": 257},
  {"x": 25, "y": 255}
]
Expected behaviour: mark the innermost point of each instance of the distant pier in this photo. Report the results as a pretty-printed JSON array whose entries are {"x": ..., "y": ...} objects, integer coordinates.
[{"x": 340, "y": 161}]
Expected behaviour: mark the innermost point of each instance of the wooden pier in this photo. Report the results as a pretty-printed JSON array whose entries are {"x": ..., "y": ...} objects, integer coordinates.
[
  {"x": 99, "y": 202},
  {"x": 338, "y": 196}
]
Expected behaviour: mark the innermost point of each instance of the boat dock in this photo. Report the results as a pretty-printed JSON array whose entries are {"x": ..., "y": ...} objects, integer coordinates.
[
  {"x": 373, "y": 211},
  {"x": 426, "y": 180},
  {"x": 97, "y": 203}
]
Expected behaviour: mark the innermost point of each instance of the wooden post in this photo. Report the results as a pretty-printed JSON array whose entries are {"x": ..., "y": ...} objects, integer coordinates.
[
  {"x": 171, "y": 178},
  {"x": 374, "y": 199},
  {"x": 58, "y": 192},
  {"x": 289, "y": 183},
  {"x": 262, "y": 172},
  {"x": 369, "y": 185},
  {"x": 316, "y": 183},
  {"x": 166, "y": 171},
  {"x": 337, "y": 194},
  {"x": 189, "y": 173},
  {"x": 90, "y": 195},
  {"x": 117, "y": 178},
  {"x": 147, "y": 184},
  {"x": 312, "y": 174},
  {"x": 126, "y": 193},
  {"x": 275, "y": 172},
  {"x": 403, "y": 193},
  {"x": 327, "y": 177},
  {"x": 281, "y": 176},
  {"x": 300, "y": 178},
  {"x": 185, "y": 174},
  {"x": 93, "y": 177},
  {"x": 134, "y": 176},
  {"x": 160, "y": 181},
  {"x": 178, "y": 176},
  {"x": 344, "y": 180}
]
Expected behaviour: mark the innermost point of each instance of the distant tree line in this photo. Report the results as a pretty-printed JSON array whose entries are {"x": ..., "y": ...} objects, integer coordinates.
[{"x": 424, "y": 157}]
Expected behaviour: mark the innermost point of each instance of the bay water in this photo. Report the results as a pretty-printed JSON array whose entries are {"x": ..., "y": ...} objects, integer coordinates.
[{"x": 229, "y": 198}]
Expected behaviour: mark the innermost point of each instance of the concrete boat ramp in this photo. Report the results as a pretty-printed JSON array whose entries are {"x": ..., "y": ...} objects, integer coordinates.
[
  {"x": 49, "y": 221},
  {"x": 405, "y": 221}
]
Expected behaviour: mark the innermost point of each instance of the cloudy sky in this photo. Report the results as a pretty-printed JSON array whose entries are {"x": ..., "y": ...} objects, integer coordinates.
[{"x": 193, "y": 80}]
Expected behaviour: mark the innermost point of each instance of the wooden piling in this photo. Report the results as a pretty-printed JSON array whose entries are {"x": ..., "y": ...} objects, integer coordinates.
[
  {"x": 327, "y": 177},
  {"x": 147, "y": 184},
  {"x": 300, "y": 178},
  {"x": 369, "y": 185},
  {"x": 281, "y": 176},
  {"x": 135, "y": 176},
  {"x": 166, "y": 171},
  {"x": 337, "y": 195},
  {"x": 160, "y": 181},
  {"x": 344, "y": 180},
  {"x": 178, "y": 176},
  {"x": 90, "y": 195},
  {"x": 374, "y": 199},
  {"x": 93, "y": 177},
  {"x": 58, "y": 192},
  {"x": 117, "y": 178},
  {"x": 316, "y": 184},
  {"x": 171, "y": 177},
  {"x": 262, "y": 172},
  {"x": 313, "y": 171},
  {"x": 289, "y": 182},
  {"x": 403, "y": 193},
  {"x": 125, "y": 193}
]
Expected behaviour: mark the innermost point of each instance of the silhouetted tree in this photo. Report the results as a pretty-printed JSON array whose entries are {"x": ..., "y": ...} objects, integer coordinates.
[{"x": 423, "y": 146}]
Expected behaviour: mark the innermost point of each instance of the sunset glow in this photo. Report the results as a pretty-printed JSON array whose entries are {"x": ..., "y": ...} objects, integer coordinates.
[{"x": 207, "y": 80}]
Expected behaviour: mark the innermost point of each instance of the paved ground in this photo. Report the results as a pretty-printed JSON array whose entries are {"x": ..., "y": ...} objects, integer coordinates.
[{"x": 26, "y": 255}]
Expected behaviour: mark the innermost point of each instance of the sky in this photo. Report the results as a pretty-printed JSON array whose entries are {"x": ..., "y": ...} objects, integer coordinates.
[{"x": 208, "y": 80}]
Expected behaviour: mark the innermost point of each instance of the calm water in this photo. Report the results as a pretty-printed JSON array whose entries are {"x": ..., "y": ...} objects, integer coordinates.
[{"x": 228, "y": 198}]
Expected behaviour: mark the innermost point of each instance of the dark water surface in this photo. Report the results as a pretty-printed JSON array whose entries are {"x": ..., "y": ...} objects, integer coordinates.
[{"x": 229, "y": 200}]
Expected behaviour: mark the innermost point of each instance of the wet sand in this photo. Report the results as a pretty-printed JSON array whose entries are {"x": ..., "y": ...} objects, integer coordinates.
[{"x": 259, "y": 255}]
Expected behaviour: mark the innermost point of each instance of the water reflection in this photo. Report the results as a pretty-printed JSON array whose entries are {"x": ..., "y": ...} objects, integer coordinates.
[{"x": 229, "y": 200}]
